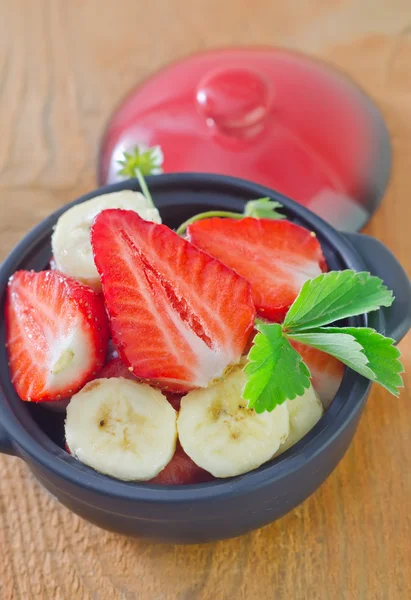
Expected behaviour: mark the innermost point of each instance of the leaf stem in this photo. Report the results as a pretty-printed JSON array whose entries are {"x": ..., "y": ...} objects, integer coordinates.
[
  {"x": 144, "y": 187},
  {"x": 208, "y": 215}
]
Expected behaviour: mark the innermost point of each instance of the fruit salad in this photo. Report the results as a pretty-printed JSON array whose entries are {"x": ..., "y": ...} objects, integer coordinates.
[{"x": 184, "y": 356}]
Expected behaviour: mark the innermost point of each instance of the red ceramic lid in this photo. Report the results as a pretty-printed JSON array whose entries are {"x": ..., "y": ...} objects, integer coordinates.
[{"x": 271, "y": 116}]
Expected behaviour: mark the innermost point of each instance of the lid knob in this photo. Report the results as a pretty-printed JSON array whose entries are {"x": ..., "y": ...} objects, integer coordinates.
[{"x": 233, "y": 100}]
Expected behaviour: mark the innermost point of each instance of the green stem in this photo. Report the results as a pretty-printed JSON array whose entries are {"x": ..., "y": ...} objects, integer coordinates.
[
  {"x": 208, "y": 215},
  {"x": 144, "y": 187}
]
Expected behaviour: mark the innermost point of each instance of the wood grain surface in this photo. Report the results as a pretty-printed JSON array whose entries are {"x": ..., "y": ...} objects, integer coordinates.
[{"x": 64, "y": 65}]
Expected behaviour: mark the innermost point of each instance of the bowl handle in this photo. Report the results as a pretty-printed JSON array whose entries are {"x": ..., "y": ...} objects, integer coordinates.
[{"x": 381, "y": 262}]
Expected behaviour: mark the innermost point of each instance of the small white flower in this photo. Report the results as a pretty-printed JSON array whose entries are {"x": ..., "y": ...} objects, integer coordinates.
[{"x": 126, "y": 160}]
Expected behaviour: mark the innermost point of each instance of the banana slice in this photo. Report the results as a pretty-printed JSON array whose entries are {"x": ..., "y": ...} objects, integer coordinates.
[
  {"x": 121, "y": 428},
  {"x": 70, "y": 241},
  {"x": 304, "y": 412},
  {"x": 222, "y": 436}
]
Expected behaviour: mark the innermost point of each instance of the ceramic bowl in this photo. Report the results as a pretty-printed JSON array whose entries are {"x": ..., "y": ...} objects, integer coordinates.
[{"x": 227, "y": 507}]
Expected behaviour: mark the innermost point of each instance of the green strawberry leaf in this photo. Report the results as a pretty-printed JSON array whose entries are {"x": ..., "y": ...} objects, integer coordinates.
[
  {"x": 275, "y": 371},
  {"x": 342, "y": 346},
  {"x": 333, "y": 296},
  {"x": 381, "y": 354},
  {"x": 263, "y": 208}
]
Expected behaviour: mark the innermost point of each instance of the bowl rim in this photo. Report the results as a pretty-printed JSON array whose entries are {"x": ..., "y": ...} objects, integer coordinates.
[{"x": 354, "y": 388}]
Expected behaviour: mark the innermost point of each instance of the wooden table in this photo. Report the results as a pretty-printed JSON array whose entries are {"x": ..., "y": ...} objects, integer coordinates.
[{"x": 64, "y": 65}]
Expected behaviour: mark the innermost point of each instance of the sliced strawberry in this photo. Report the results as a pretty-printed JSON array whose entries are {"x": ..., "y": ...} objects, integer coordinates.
[
  {"x": 175, "y": 400},
  {"x": 178, "y": 316},
  {"x": 326, "y": 371},
  {"x": 57, "y": 334},
  {"x": 250, "y": 342},
  {"x": 276, "y": 257},
  {"x": 181, "y": 470},
  {"x": 116, "y": 368}
]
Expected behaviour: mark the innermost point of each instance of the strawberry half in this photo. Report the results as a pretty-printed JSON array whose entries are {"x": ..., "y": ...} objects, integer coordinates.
[
  {"x": 276, "y": 257},
  {"x": 57, "y": 333},
  {"x": 181, "y": 470},
  {"x": 116, "y": 368},
  {"x": 178, "y": 316},
  {"x": 326, "y": 371}
]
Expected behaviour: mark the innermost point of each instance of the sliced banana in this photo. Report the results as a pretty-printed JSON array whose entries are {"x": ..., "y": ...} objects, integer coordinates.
[
  {"x": 304, "y": 412},
  {"x": 222, "y": 436},
  {"x": 70, "y": 241},
  {"x": 121, "y": 428}
]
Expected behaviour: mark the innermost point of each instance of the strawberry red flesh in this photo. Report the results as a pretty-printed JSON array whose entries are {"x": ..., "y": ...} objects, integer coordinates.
[
  {"x": 326, "y": 371},
  {"x": 57, "y": 333},
  {"x": 178, "y": 317},
  {"x": 181, "y": 470},
  {"x": 175, "y": 400},
  {"x": 116, "y": 368},
  {"x": 276, "y": 257}
]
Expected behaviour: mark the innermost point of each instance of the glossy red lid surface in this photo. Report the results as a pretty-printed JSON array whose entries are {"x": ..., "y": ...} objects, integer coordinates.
[{"x": 271, "y": 116}]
